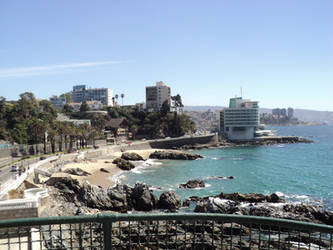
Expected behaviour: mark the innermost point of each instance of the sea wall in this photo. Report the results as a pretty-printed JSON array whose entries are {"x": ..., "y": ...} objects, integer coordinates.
[
  {"x": 151, "y": 144},
  {"x": 181, "y": 141}
]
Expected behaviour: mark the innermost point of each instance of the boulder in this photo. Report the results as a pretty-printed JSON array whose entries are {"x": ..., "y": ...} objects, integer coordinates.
[
  {"x": 95, "y": 197},
  {"x": 143, "y": 199},
  {"x": 169, "y": 200},
  {"x": 131, "y": 157},
  {"x": 62, "y": 182},
  {"x": 104, "y": 170},
  {"x": 193, "y": 184},
  {"x": 123, "y": 164},
  {"x": 216, "y": 205},
  {"x": 76, "y": 171},
  {"x": 173, "y": 155},
  {"x": 121, "y": 198}
]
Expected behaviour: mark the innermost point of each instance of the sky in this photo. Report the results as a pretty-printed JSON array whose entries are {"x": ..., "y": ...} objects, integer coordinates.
[{"x": 279, "y": 52}]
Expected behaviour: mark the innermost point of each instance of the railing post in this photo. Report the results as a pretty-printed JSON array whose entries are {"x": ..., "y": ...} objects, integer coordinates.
[{"x": 107, "y": 228}]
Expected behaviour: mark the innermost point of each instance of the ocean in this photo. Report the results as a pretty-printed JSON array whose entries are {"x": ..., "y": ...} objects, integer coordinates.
[{"x": 297, "y": 172}]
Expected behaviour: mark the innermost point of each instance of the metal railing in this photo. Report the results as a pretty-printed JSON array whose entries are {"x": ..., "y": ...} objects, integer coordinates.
[{"x": 163, "y": 231}]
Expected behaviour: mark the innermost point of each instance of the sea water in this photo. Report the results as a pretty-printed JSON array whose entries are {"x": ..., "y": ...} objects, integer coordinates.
[{"x": 297, "y": 172}]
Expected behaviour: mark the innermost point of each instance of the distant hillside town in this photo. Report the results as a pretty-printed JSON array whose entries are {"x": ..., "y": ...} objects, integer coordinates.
[{"x": 280, "y": 116}]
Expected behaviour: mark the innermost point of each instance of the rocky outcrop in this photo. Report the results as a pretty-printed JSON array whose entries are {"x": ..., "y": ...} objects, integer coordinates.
[
  {"x": 251, "y": 197},
  {"x": 120, "y": 198},
  {"x": 123, "y": 164},
  {"x": 260, "y": 205},
  {"x": 143, "y": 199},
  {"x": 131, "y": 157},
  {"x": 76, "y": 171},
  {"x": 174, "y": 155},
  {"x": 169, "y": 200},
  {"x": 193, "y": 184}
]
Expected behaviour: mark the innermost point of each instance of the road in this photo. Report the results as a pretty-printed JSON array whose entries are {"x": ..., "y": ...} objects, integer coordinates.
[{"x": 5, "y": 173}]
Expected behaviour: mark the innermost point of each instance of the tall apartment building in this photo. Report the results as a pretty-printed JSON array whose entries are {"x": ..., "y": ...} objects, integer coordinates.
[
  {"x": 240, "y": 121},
  {"x": 82, "y": 93},
  {"x": 156, "y": 96},
  {"x": 290, "y": 113}
]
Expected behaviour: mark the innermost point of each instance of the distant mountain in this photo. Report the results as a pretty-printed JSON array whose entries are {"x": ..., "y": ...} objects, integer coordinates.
[{"x": 302, "y": 114}]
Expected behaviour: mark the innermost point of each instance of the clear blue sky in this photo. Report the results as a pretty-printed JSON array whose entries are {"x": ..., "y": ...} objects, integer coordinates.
[{"x": 280, "y": 52}]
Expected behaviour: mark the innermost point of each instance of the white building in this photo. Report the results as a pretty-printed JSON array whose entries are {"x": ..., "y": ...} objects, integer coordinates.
[
  {"x": 240, "y": 121},
  {"x": 58, "y": 102},
  {"x": 82, "y": 93},
  {"x": 95, "y": 105},
  {"x": 156, "y": 96}
]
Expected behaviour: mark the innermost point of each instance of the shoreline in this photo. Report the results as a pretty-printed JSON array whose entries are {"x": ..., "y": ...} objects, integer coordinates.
[{"x": 109, "y": 177}]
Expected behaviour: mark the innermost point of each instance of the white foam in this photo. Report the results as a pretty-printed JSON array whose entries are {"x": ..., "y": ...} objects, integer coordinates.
[{"x": 143, "y": 166}]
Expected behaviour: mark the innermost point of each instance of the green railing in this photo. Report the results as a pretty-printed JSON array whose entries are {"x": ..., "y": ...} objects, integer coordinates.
[{"x": 163, "y": 231}]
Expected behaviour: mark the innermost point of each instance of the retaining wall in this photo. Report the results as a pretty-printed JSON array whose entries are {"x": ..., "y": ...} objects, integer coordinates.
[
  {"x": 19, "y": 213},
  {"x": 181, "y": 141}
]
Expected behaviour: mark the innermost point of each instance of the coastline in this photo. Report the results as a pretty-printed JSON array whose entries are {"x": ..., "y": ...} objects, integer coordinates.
[{"x": 107, "y": 177}]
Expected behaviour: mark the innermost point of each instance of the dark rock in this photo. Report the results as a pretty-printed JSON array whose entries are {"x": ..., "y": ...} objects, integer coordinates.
[
  {"x": 104, "y": 170},
  {"x": 95, "y": 197},
  {"x": 131, "y": 157},
  {"x": 123, "y": 164},
  {"x": 76, "y": 171},
  {"x": 121, "y": 198},
  {"x": 68, "y": 182},
  {"x": 216, "y": 205},
  {"x": 173, "y": 155},
  {"x": 195, "y": 199},
  {"x": 251, "y": 197},
  {"x": 261, "y": 211},
  {"x": 193, "y": 184},
  {"x": 143, "y": 199},
  {"x": 169, "y": 200},
  {"x": 274, "y": 198}
]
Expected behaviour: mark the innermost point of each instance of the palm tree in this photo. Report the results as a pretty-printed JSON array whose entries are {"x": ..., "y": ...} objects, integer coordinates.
[
  {"x": 117, "y": 96},
  {"x": 122, "y": 99}
]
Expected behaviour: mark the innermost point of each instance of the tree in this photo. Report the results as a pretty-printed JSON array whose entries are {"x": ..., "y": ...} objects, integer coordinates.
[
  {"x": 122, "y": 99},
  {"x": 177, "y": 102},
  {"x": 67, "y": 97},
  {"x": 117, "y": 96},
  {"x": 84, "y": 106},
  {"x": 165, "y": 109},
  {"x": 134, "y": 130},
  {"x": 67, "y": 109}
]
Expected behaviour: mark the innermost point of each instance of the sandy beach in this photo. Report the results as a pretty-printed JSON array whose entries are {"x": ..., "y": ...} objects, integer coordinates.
[{"x": 102, "y": 178}]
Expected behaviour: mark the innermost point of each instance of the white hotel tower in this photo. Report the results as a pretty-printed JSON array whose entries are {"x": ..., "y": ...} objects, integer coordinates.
[{"x": 240, "y": 121}]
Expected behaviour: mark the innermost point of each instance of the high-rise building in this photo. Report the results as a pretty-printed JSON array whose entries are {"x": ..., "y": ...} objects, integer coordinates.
[
  {"x": 276, "y": 111},
  {"x": 81, "y": 93},
  {"x": 240, "y": 120},
  {"x": 156, "y": 96},
  {"x": 290, "y": 113}
]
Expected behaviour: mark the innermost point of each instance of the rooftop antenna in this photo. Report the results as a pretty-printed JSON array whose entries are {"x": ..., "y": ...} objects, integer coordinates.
[{"x": 241, "y": 89}]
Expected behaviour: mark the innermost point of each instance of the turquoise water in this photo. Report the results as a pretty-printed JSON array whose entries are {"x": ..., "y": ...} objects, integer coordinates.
[{"x": 299, "y": 172}]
